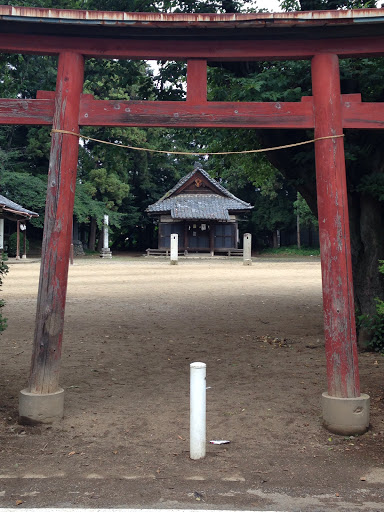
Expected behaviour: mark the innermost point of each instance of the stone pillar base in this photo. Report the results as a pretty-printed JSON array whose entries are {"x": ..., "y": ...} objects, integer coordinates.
[
  {"x": 346, "y": 416},
  {"x": 174, "y": 262},
  {"x": 35, "y": 408},
  {"x": 247, "y": 262},
  {"x": 106, "y": 253}
]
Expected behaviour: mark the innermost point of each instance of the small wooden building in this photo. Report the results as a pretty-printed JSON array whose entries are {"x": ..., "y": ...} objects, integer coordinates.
[
  {"x": 9, "y": 210},
  {"x": 203, "y": 214}
]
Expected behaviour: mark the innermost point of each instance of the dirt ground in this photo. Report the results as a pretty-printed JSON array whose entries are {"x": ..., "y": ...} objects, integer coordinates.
[{"x": 133, "y": 326}]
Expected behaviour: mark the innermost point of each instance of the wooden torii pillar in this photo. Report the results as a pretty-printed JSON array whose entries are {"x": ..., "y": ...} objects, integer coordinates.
[
  {"x": 345, "y": 409},
  {"x": 43, "y": 400}
]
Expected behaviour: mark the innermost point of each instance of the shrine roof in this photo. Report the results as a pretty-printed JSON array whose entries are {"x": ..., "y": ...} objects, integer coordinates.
[
  {"x": 8, "y": 206},
  {"x": 207, "y": 206},
  {"x": 316, "y": 24}
]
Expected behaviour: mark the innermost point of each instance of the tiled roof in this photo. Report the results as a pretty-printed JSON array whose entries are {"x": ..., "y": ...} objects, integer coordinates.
[
  {"x": 12, "y": 207},
  {"x": 199, "y": 206}
]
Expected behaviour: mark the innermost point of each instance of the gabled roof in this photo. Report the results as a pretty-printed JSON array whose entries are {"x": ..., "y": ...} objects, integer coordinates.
[
  {"x": 8, "y": 206},
  {"x": 215, "y": 205}
]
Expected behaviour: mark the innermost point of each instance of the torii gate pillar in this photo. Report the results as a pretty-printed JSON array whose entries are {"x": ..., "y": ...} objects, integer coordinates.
[
  {"x": 43, "y": 400},
  {"x": 345, "y": 410}
]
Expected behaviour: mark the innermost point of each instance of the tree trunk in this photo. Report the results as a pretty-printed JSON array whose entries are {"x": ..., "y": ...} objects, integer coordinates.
[
  {"x": 367, "y": 240},
  {"x": 298, "y": 231},
  {"x": 92, "y": 235},
  {"x": 100, "y": 241}
]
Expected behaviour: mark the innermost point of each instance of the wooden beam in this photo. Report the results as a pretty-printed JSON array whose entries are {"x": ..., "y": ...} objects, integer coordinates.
[
  {"x": 356, "y": 114},
  {"x": 28, "y": 112},
  {"x": 179, "y": 49},
  {"x": 196, "y": 81},
  {"x": 364, "y": 116},
  {"x": 184, "y": 114},
  {"x": 332, "y": 202},
  {"x": 46, "y": 357}
]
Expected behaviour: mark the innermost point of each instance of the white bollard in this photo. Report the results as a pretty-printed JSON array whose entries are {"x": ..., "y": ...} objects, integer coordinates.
[
  {"x": 198, "y": 391},
  {"x": 247, "y": 249},
  {"x": 174, "y": 248}
]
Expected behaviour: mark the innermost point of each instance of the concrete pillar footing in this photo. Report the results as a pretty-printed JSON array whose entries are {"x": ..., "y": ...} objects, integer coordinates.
[
  {"x": 346, "y": 416},
  {"x": 40, "y": 408}
]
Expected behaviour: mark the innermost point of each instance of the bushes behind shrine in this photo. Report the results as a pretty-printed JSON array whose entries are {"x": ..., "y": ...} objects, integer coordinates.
[{"x": 12, "y": 244}]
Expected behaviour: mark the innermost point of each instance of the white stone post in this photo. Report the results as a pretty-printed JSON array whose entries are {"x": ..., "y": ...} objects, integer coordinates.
[
  {"x": 105, "y": 251},
  {"x": 23, "y": 228},
  {"x": 1, "y": 234},
  {"x": 174, "y": 248},
  {"x": 198, "y": 392},
  {"x": 247, "y": 249}
]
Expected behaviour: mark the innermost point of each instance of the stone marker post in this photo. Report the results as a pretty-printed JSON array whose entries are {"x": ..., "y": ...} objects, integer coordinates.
[
  {"x": 247, "y": 249},
  {"x": 23, "y": 229},
  {"x": 105, "y": 251},
  {"x": 174, "y": 248}
]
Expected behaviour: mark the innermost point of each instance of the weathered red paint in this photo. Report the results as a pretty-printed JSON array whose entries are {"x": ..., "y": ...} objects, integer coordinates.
[
  {"x": 196, "y": 81},
  {"x": 44, "y": 376},
  {"x": 218, "y": 50},
  {"x": 26, "y": 111},
  {"x": 194, "y": 113},
  {"x": 339, "y": 313},
  {"x": 148, "y": 19},
  {"x": 188, "y": 114}
]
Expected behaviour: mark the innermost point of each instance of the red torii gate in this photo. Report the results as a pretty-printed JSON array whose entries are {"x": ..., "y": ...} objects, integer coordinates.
[{"x": 322, "y": 36}]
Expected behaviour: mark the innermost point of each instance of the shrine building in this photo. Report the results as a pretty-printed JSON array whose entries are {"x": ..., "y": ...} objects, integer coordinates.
[
  {"x": 11, "y": 211},
  {"x": 202, "y": 213}
]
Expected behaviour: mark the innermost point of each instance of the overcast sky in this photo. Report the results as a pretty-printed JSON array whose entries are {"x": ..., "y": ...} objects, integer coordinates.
[{"x": 271, "y": 5}]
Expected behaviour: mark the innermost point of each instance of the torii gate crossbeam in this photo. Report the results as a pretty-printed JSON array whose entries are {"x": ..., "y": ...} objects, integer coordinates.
[{"x": 319, "y": 36}]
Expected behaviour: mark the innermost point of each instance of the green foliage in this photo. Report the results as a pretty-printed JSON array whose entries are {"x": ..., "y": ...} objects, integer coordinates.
[
  {"x": 291, "y": 251},
  {"x": 307, "y": 219},
  {"x": 374, "y": 324},
  {"x": 12, "y": 244},
  {"x": 26, "y": 190},
  {"x": 3, "y": 271}
]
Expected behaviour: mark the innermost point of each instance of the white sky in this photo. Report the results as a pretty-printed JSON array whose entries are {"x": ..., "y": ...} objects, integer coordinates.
[{"x": 271, "y": 5}]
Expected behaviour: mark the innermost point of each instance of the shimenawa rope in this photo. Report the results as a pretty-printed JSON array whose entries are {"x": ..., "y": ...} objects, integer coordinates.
[{"x": 65, "y": 132}]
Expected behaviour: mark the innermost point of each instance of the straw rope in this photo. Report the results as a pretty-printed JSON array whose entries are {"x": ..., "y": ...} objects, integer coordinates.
[{"x": 190, "y": 153}]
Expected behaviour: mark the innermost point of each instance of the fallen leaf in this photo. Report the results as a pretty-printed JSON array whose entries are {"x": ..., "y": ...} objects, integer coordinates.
[
  {"x": 71, "y": 453},
  {"x": 363, "y": 479},
  {"x": 182, "y": 438},
  {"x": 19, "y": 502}
]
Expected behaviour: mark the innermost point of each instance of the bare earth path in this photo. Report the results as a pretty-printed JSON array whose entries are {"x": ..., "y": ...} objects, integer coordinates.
[{"x": 133, "y": 326}]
